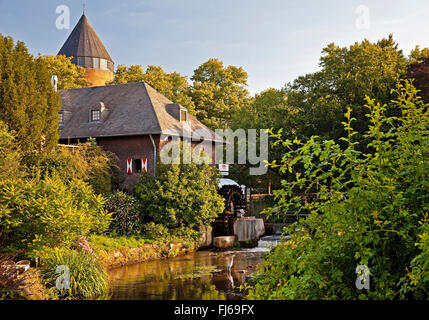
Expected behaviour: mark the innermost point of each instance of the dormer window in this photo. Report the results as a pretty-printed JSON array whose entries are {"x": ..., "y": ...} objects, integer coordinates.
[
  {"x": 183, "y": 115},
  {"x": 95, "y": 115},
  {"x": 61, "y": 118}
]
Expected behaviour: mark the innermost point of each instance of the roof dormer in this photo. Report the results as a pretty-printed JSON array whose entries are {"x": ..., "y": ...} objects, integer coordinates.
[
  {"x": 179, "y": 112},
  {"x": 98, "y": 113}
]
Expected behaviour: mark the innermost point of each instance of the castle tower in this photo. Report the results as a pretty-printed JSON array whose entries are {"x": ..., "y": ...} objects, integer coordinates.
[{"x": 88, "y": 51}]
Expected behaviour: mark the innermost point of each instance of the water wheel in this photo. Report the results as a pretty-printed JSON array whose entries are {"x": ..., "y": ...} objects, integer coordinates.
[{"x": 234, "y": 202}]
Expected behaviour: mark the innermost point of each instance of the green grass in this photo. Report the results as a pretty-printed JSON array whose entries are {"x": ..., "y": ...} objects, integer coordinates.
[
  {"x": 88, "y": 278},
  {"x": 116, "y": 243}
]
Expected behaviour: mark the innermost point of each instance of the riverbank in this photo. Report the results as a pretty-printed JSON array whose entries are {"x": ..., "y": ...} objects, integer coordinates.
[
  {"x": 146, "y": 252},
  {"x": 109, "y": 252}
]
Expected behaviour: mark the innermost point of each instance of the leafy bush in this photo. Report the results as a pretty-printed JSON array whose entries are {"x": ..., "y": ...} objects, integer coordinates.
[
  {"x": 156, "y": 231},
  {"x": 10, "y": 154},
  {"x": 184, "y": 233},
  {"x": 181, "y": 195},
  {"x": 88, "y": 278},
  {"x": 36, "y": 213},
  {"x": 87, "y": 162},
  {"x": 127, "y": 213},
  {"x": 374, "y": 211}
]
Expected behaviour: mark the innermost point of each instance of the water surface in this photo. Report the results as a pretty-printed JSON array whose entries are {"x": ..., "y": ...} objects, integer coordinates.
[{"x": 201, "y": 275}]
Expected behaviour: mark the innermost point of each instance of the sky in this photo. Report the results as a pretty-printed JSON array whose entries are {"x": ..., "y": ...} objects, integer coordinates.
[{"x": 275, "y": 41}]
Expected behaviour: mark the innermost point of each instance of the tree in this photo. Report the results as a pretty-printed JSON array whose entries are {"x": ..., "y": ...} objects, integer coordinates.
[
  {"x": 172, "y": 85},
  {"x": 86, "y": 161},
  {"x": 47, "y": 212},
  {"x": 219, "y": 93},
  {"x": 347, "y": 76},
  {"x": 10, "y": 155},
  {"x": 69, "y": 75},
  {"x": 371, "y": 211},
  {"x": 269, "y": 109},
  {"x": 418, "y": 69},
  {"x": 417, "y": 55},
  {"x": 28, "y": 104},
  {"x": 124, "y": 74},
  {"x": 182, "y": 195}
]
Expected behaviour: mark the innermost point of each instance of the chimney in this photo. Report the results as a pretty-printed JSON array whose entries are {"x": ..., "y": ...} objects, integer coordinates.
[{"x": 54, "y": 81}]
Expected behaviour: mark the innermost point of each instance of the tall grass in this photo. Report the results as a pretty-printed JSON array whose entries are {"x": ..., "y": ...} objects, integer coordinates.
[{"x": 88, "y": 278}]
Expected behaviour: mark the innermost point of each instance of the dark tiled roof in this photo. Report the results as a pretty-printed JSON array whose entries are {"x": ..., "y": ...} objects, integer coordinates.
[
  {"x": 129, "y": 109},
  {"x": 84, "y": 42}
]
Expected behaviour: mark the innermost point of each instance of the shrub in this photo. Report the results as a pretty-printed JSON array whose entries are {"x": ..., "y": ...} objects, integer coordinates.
[
  {"x": 127, "y": 213},
  {"x": 49, "y": 212},
  {"x": 184, "y": 233},
  {"x": 88, "y": 278},
  {"x": 10, "y": 155},
  {"x": 181, "y": 195},
  {"x": 374, "y": 212},
  {"x": 157, "y": 231},
  {"x": 86, "y": 161}
]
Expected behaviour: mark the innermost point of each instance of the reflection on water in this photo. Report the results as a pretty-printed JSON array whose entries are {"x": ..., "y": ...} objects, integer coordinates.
[{"x": 199, "y": 276}]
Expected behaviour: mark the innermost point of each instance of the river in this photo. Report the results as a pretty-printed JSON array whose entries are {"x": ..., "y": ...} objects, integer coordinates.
[{"x": 202, "y": 275}]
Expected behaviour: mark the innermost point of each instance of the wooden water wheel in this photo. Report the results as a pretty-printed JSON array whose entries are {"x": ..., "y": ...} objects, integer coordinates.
[{"x": 234, "y": 203}]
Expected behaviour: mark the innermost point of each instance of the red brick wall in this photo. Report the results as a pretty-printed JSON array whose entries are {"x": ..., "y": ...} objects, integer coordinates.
[
  {"x": 131, "y": 147},
  {"x": 135, "y": 147}
]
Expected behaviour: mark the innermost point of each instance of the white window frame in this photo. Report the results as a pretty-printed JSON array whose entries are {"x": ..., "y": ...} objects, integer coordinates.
[{"x": 95, "y": 112}]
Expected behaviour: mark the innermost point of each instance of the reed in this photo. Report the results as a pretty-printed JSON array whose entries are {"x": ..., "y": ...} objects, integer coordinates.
[{"x": 88, "y": 278}]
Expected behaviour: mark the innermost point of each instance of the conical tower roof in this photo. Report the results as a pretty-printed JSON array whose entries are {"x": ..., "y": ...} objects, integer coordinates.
[{"x": 84, "y": 42}]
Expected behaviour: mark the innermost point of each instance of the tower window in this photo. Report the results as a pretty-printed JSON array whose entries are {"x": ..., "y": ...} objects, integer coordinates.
[
  {"x": 61, "y": 118},
  {"x": 95, "y": 115},
  {"x": 96, "y": 63},
  {"x": 103, "y": 64}
]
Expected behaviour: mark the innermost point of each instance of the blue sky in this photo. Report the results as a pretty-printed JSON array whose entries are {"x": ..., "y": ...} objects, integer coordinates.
[{"x": 274, "y": 40}]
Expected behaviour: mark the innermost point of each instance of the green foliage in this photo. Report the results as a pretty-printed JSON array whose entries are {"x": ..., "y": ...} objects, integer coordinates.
[
  {"x": 87, "y": 162},
  {"x": 219, "y": 93},
  {"x": 127, "y": 213},
  {"x": 269, "y": 109},
  {"x": 417, "y": 55},
  {"x": 373, "y": 211},
  {"x": 10, "y": 155},
  {"x": 109, "y": 243},
  {"x": 216, "y": 95},
  {"x": 28, "y": 104},
  {"x": 88, "y": 278},
  {"x": 49, "y": 212},
  {"x": 70, "y": 76},
  {"x": 347, "y": 76},
  {"x": 172, "y": 85},
  {"x": 156, "y": 231},
  {"x": 181, "y": 195}
]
